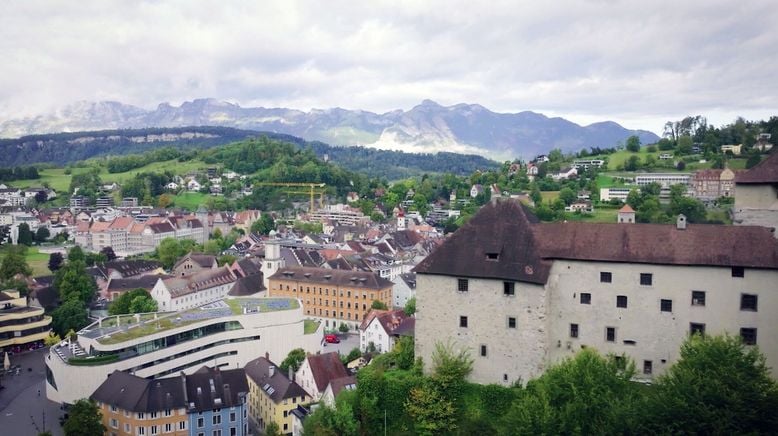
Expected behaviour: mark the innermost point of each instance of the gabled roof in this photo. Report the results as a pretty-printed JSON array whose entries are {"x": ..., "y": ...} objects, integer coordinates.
[
  {"x": 627, "y": 209},
  {"x": 212, "y": 388},
  {"x": 203, "y": 260},
  {"x": 248, "y": 285},
  {"x": 326, "y": 367},
  {"x": 341, "y": 383},
  {"x": 278, "y": 387},
  {"x": 394, "y": 322},
  {"x": 129, "y": 268},
  {"x": 145, "y": 282},
  {"x": 764, "y": 172},
  {"x": 505, "y": 241},
  {"x": 205, "y": 279},
  {"x": 358, "y": 279},
  {"x": 136, "y": 394}
]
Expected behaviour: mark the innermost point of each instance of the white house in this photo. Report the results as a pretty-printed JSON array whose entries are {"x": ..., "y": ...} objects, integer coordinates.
[
  {"x": 316, "y": 372},
  {"x": 193, "y": 185},
  {"x": 336, "y": 386},
  {"x": 565, "y": 173},
  {"x": 404, "y": 289},
  {"x": 173, "y": 186},
  {"x": 181, "y": 293},
  {"x": 475, "y": 190},
  {"x": 382, "y": 329}
]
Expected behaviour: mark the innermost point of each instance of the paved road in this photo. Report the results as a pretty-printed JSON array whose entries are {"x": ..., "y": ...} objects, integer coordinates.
[
  {"x": 21, "y": 408},
  {"x": 347, "y": 343}
]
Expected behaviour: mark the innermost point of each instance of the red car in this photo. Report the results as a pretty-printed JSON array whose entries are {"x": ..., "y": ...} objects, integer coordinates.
[{"x": 331, "y": 339}]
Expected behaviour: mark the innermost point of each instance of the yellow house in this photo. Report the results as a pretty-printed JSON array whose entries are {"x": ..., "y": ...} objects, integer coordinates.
[
  {"x": 20, "y": 324},
  {"x": 272, "y": 395}
]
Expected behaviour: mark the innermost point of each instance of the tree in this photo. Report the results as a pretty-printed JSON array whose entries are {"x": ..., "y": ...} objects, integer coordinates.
[
  {"x": 718, "y": 386},
  {"x": 135, "y": 301},
  {"x": 632, "y": 164},
  {"x": 432, "y": 412},
  {"x": 25, "y": 235},
  {"x": 633, "y": 144},
  {"x": 680, "y": 166},
  {"x": 52, "y": 339},
  {"x": 567, "y": 195},
  {"x": 72, "y": 281},
  {"x": 337, "y": 421},
  {"x": 76, "y": 254},
  {"x": 14, "y": 263},
  {"x": 343, "y": 327},
  {"x": 450, "y": 369},
  {"x": 404, "y": 353},
  {"x": 169, "y": 251},
  {"x": 555, "y": 155},
  {"x": 55, "y": 261},
  {"x": 535, "y": 194},
  {"x": 264, "y": 224},
  {"x": 70, "y": 315},
  {"x": 293, "y": 360},
  {"x": 685, "y": 144},
  {"x": 212, "y": 247},
  {"x": 272, "y": 429},
  {"x": 42, "y": 234},
  {"x": 380, "y": 305},
  {"x": 586, "y": 394},
  {"x": 108, "y": 253},
  {"x": 84, "y": 419},
  {"x": 353, "y": 354},
  {"x": 410, "y": 306}
]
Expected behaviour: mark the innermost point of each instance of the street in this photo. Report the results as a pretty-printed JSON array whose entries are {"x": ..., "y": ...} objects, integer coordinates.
[
  {"x": 24, "y": 409},
  {"x": 347, "y": 343}
]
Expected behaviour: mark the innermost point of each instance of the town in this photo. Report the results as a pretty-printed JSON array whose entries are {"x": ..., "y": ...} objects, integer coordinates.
[{"x": 208, "y": 321}]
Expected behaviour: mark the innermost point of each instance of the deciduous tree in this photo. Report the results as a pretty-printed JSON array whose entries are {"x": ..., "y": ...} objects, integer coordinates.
[{"x": 84, "y": 419}]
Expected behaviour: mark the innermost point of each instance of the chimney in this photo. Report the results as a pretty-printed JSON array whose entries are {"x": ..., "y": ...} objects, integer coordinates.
[
  {"x": 267, "y": 355},
  {"x": 291, "y": 374},
  {"x": 271, "y": 370},
  {"x": 680, "y": 223}
]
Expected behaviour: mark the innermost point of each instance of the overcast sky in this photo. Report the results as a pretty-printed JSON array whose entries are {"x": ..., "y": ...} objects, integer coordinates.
[{"x": 638, "y": 62}]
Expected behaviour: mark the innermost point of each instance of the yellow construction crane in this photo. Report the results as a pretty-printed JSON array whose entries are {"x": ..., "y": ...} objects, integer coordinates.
[{"x": 313, "y": 189}]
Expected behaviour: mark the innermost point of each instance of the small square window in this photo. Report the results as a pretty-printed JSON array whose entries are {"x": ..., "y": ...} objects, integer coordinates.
[
  {"x": 586, "y": 298},
  {"x": 511, "y": 322},
  {"x": 696, "y": 328},
  {"x": 463, "y": 321},
  {"x": 508, "y": 288},
  {"x": 648, "y": 367},
  {"x": 646, "y": 279},
  {"x": 738, "y": 271},
  {"x": 666, "y": 305},
  {"x": 748, "y": 302},
  {"x": 621, "y": 301},
  {"x": 698, "y": 298},
  {"x": 610, "y": 334},
  {"x": 483, "y": 350},
  {"x": 748, "y": 336},
  {"x": 573, "y": 330},
  {"x": 606, "y": 277},
  {"x": 462, "y": 285}
]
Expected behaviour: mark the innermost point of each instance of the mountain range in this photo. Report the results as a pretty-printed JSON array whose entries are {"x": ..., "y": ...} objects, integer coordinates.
[{"x": 426, "y": 128}]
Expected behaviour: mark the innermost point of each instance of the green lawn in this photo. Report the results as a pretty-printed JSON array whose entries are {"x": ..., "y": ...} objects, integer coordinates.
[
  {"x": 60, "y": 181},
  {"x": 549, "y": 196},
  {"x": 310, "y": 326},
  {"x": 39, "y": 262},
  {"x": 600, "y": 215},
  {"x": 189, "y": 200}
]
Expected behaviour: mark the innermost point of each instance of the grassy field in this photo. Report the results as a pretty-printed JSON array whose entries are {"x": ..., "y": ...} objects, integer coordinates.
[
  {"x": 600, "y": 215},
  {"x": 549, "y": 196},
  {"x": 189, "y": 200},
  {"x": 60, "y": 181},
  {"x": 620, "y": 157},
  {"x": 39, "y": 262}
]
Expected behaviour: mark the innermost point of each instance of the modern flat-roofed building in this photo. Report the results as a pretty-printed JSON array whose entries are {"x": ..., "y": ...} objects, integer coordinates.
[
  {"x": 225, "y": 334},
  {"x": 521, "y": 294},
  {"x": 21, "y": 325},
  {"x": 330, "y": 295},
  {"x": 666, "y": 180}
]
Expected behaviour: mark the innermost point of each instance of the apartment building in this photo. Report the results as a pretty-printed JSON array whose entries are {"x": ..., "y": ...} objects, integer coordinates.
[
  {"x": 712, "y": 184},
  {"x": 665, "y": 180},
  {"x": 21, "y": 325},
  {"x": 227, "y": 334},
  {"x": 272, "y": 395},
  {"x": 332, "y": 296},
  {"x": 521, "y": 295}
]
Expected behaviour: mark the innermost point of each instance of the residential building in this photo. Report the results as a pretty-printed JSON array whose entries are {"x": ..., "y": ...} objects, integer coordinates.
[
  {"x": 713, "y": 183},
  {"x": 522, "y": 295},
  {"x": 336, "y": 386},
  {"x": 382, "y": 328},
  {"x": 404, "y": 289},
  {"x": 210, "y": 401},
  {"x": 756, "y": 200},
  {"x": 129, "y": 202},
  {"x": 585, "y": 164},
  {"x": 193, "y": 263},
  {"x": 565, "y": 173},
  {"x": 78, "y": 202},
  {"x": 332, "y": 296},
  {"x": 227, "y": 334},
  {"x": 21, "y": 326},
  {"x": 733, "y": 148},
  {"x": 608, "y": 194},
  {"x": 540, "y": 158},
  {"x": 626, "y": 215},
  {"x": 475, "y": 190},
  {"x": 583, "y": 206},
  {"x": 340, "y": 214},
  {"x": 186, "y": 292},
  {"x": 272, "y": 395},
  {"x": 13, "y": 197},
  {"x": 104, "y": 202},
  {"x": 316, "y": 372},
  {"x": 665, "y": 156},
  {"x": 665, "y": 180}
]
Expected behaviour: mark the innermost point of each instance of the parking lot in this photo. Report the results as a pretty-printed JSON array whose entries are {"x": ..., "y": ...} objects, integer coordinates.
[{"x": 348, "y": 342}]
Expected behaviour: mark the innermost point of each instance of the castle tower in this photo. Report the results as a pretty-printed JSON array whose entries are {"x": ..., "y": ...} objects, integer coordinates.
[{"x": 273, "y": 260}]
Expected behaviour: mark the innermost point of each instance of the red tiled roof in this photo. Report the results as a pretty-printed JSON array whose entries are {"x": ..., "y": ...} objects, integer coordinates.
[
  {"x": 326, "y": 367},
  {"x": 627, "y": 208},
  {"x": 764, "y": 172}
]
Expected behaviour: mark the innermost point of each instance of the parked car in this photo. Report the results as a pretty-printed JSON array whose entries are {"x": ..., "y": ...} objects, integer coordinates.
[{"x": 331, "y": 339}]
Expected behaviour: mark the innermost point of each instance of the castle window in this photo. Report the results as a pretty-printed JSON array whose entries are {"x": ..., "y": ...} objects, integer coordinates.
[
  {"x": 610, "y": 334},
  {"x": 511, "y": 322},
  {"x": 586, "y": 298},
  {"x": 648, "y": 367},
  {"x": 573, "y": 330},
  {"x": 666, "y": 305},
  {"x": 463, "y": 321},
  {"x": 748, "y": 336},
  {"x": 738, "y": 271},
  {"x": 696, "y": 328},
  {"x": 462, "y": 285},
  {"x": 509, "y": 288},
  {"x": 748, "y": 302},
  {"x": 606, "y": 277},
  {"x": 621, "y": 301},
  {"x": 483, "y": 350},
  {"x": 698, "y": 298},
  {"x": 646, "y": 279}
]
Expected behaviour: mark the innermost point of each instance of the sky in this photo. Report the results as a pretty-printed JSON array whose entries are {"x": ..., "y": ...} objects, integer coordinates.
[{"x": 639, "y": 63}]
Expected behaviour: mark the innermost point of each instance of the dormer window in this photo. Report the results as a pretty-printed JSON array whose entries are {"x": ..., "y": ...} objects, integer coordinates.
[{"x": 492, "y": 256}]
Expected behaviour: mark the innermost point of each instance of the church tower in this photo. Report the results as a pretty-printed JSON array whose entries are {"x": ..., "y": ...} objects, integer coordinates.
[{"x": 273, "y": 260}]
